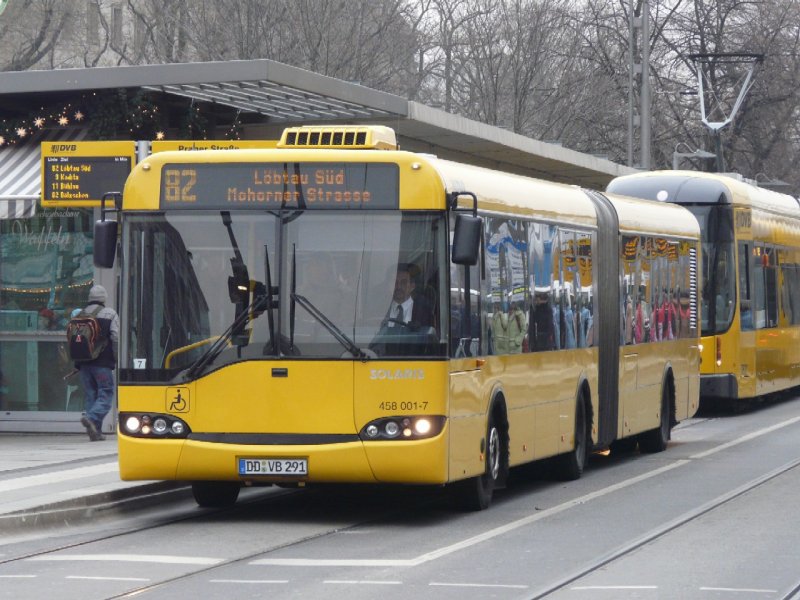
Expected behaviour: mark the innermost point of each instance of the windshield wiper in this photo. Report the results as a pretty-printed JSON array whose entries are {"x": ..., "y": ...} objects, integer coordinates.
[
  {"x": 257, "y": 305},
  {"x": 270, "y": 303},
  {"x": 337, "y": 333}
]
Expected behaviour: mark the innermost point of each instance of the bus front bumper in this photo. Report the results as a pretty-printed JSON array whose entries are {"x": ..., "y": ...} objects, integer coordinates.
[
  {"x": 723, "y": 385},
  {"x": 421, "y": 462}
]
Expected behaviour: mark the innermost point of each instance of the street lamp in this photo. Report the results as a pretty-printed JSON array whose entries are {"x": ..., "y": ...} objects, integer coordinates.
[
  {"x": 769, "y": 183},
  {"x": 698, "y": 153}
]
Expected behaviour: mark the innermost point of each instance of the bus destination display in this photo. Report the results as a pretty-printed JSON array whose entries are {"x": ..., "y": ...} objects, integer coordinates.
[
  {"x": 315, "y": 186},
  {"x": 69, "y": 178}
]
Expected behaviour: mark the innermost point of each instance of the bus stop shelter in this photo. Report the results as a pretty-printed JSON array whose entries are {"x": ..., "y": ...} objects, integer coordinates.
[{"x": 45, "y": 254}]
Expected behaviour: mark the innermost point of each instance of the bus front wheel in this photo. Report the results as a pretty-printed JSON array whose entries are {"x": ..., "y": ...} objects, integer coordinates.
[
  {"x": 476, "y": 493},
  {"x": 215, "y": 494}
]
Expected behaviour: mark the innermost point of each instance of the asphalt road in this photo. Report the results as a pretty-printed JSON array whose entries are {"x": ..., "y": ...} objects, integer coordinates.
[{"x": 712, "y": 517}]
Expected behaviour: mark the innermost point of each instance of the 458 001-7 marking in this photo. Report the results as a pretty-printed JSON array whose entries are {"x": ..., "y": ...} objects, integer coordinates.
[{"x": 409, "y": 405}]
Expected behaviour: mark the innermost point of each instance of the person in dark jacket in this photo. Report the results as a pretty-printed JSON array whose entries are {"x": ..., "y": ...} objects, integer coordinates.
[
  {"x": 97, "y": 375},
  {"x": 406, "y": 307}
]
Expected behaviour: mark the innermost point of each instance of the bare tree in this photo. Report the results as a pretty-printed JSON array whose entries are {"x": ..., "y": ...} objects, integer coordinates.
[
  {"x": 451, "y": 18},
  {"x": 762, "y": 138},
  {"x": 30, "y": 31},
  {"x": 549, "y": 69},
  {"x": 368, "y": 42},
  {"x": 160, "y": 32}
]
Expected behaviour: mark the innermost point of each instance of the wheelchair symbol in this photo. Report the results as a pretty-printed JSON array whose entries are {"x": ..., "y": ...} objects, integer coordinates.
[{"x": 178, "y": 400}]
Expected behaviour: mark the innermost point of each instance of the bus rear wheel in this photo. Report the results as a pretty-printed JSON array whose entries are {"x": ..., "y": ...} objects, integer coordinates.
[
  {"x": 570, "y": 466},
  {"x": 656, "y": 440},
  {"x": 476, "y": 493},
  {"x": 215, "y": 494}
]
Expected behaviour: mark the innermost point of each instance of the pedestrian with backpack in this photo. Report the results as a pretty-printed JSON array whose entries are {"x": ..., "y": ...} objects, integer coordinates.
[{"x": 93, "y": 341}]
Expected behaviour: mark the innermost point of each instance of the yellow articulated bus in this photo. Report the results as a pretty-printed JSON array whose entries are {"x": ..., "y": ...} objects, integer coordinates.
[
  {"x": 750, "y": 315},
  {"x": 337, "y": 310}
]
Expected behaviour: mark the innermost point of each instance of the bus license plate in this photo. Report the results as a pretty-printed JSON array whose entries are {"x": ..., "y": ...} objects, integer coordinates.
[{"x": 287, "y": 467}]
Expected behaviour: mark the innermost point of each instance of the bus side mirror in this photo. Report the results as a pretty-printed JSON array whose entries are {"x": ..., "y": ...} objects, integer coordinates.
[
  {"x": 239, "y": 290},
  {"x": 467, "y": 240},
  {"x": 105, "y": 243}
]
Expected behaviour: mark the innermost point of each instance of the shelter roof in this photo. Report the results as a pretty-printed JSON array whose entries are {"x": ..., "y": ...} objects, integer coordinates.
[{"x": 275, "y": 95}]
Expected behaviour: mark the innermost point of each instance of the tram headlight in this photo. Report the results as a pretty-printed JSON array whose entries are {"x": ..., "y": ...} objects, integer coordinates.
[
  {"x": 149, "y": 425},
  {"x": 411, "y": 427}
]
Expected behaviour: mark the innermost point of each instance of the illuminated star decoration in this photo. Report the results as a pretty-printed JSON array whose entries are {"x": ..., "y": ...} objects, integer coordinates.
[
  {"x": 79, "y": 116},
  {"x": 22, "y": 132},
  {"x": 160, "y": 135},
  {"x": 39, "y": 122},
  {"x": 63, "y": 120}
]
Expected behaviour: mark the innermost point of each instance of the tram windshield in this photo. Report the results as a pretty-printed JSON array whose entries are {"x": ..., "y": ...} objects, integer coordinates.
[{"x": 719, "y": 266}]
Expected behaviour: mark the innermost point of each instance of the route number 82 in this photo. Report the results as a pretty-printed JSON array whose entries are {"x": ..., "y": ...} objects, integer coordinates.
[{"x": 179, "y": 185}]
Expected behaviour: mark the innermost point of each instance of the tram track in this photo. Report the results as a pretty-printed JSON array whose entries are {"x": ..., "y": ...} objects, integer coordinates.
[
  {"x": 382, "y": 516},
  {"x": 284, "y": 507},
  {"x": 545, "y": 591},
  {"x": 259, "y": 502},
  {"x": 666, "y": 528}
]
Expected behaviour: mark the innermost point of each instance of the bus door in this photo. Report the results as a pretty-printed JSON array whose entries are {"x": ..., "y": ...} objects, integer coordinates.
[
  {"x": 636, "y": 328},
  {"x": 468, "y": 378}
]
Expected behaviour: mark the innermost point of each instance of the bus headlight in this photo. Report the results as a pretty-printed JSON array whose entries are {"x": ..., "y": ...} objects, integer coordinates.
[
  {"x": 411, "y": 427},
  {"x": 422, "y": 426},
  {"x": 149, "y": 425},
  {"x": 132, "y": 424},
  {"x": 391, "y": 429}
]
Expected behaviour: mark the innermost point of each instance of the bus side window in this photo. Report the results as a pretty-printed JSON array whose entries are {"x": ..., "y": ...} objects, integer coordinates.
[{"x": 465, "y": 329}]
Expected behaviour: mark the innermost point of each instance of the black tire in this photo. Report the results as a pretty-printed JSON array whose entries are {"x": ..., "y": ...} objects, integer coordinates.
[
  {"x": 656, "y": 440},
  {"x": 570, "y": 466},
  {"x": 215, "y": 494},
  {"x": 475, "y": 494}
]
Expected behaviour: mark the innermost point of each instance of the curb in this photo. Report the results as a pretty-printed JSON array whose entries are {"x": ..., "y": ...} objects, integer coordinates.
[{"x": 77, "y": 510}]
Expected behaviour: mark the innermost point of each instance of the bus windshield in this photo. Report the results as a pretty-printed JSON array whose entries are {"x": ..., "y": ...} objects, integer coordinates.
[
  {"x": 719, "y": 266},
  {"x": 209, "y": 288}
]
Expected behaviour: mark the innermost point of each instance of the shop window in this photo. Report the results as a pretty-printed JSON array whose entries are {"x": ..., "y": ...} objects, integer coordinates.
[{"x": 46, "y": 272}]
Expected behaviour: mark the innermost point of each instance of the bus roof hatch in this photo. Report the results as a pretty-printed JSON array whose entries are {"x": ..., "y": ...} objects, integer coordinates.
[{"x": 372, "y": 137}]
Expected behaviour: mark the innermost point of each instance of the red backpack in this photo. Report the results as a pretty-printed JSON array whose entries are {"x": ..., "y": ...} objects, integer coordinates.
[{"x": 85, "y": 339}]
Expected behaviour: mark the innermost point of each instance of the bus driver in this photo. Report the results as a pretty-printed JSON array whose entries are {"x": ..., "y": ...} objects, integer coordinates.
[{"x": 406, "y": 308}]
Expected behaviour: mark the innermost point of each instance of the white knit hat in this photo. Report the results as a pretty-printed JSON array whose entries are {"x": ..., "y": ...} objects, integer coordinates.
[{"x": 98, "y": 294}]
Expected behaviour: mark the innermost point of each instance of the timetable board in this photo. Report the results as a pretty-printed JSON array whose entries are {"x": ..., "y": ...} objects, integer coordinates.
[{"x": 80, "y": 173}]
